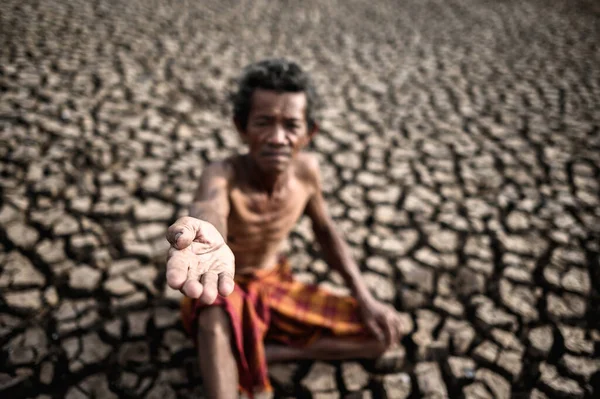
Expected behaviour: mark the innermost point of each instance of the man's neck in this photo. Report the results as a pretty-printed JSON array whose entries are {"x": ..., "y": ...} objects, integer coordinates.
[{"x": 270, "y": 184}]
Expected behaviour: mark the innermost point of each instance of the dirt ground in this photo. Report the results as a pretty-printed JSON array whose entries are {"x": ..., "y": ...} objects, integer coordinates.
[{"x": 460, "y": 146}]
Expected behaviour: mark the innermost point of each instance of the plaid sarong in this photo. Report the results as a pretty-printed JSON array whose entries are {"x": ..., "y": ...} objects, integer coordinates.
[{"x": 269, "y": 305}]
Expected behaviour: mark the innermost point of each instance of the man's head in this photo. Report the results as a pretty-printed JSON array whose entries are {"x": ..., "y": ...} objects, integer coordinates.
[{"x": 274, "y": 110}]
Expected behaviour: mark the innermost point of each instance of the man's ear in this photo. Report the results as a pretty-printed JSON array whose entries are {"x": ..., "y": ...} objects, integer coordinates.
[{"x": 312, "y": 131}]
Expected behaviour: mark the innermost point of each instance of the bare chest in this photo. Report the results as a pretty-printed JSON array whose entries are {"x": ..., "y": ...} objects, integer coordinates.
[{"x": 257, "y": 218}]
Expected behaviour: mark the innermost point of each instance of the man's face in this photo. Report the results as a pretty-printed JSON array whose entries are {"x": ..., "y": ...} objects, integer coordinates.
[{"x": 277, "y": 128}]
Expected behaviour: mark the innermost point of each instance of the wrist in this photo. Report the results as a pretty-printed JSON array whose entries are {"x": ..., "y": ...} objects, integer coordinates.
[{"x": 362, "y": 294}]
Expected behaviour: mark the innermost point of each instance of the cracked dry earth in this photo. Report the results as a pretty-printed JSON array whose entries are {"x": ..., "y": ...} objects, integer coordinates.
[{"x": 460, "y": 151}]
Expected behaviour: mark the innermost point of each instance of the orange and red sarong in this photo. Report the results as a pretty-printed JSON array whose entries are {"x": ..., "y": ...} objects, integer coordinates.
[{"x": 270, "y": 306}]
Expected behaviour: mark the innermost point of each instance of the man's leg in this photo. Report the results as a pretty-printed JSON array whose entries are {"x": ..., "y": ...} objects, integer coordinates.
[
  {"x": 215, "y": 353},
  {"x": 327, "y": 349}
]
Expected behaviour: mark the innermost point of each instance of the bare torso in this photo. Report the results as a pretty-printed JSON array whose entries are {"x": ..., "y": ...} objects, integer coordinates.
[{"x": 259, "y": 222}]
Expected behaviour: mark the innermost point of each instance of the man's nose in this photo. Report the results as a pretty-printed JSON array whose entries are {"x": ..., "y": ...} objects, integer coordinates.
[{"x": 277, "y": 136}]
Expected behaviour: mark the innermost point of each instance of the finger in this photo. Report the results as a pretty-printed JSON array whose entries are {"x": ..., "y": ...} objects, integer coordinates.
[
  {"x": 177, "y": 270},
  {"x": 226, "y": 284},
  {"x": 374, "y": 328},
  {"x": 399, "y": 327},
  {"x": 389, "y": 331},
  {"x": 209, "y": 281},
  {"x": 192, "y": 288},
  {"x": 181, "y": 233}
]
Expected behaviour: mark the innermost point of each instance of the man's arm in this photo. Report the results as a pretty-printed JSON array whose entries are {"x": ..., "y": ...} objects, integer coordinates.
[
  {"x": 199, "y": 262},
  {"x": 381, "y": 319},
  {"x": 335, "y": 250},
  {"x": 211, "y": 200}
]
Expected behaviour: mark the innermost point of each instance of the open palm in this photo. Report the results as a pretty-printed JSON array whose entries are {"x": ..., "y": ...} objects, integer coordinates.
[{"x": 200, "y": 263}]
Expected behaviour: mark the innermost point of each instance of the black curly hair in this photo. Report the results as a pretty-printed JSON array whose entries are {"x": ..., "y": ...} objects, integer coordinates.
[{"x": 273, "y": 74}]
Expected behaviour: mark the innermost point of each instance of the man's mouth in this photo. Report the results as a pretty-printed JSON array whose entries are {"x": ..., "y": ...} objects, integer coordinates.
[{"x": 276, "y": 155}]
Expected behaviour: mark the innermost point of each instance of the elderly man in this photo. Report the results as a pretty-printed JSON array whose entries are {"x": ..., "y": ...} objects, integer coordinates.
[{"x": 244, "y": 208}]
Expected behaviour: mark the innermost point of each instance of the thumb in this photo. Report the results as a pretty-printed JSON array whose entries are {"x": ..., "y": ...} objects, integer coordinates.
[
  {"x": 184, "y": 238},
  {"x": 183, "y": 232}
]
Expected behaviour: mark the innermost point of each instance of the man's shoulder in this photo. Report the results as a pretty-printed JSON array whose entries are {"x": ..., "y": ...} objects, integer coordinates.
[
  {"x": 224, "y": 168},
  {"x": 307, "y": 167}
]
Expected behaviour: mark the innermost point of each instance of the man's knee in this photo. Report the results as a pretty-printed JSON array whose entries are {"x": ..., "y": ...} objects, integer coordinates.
[{"x": 213, "y": 321}]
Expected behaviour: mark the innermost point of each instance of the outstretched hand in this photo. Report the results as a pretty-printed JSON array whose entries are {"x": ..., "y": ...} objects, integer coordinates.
[
  {"x": 382, "y": 320},
  {"x": 199, "y": 263}
]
